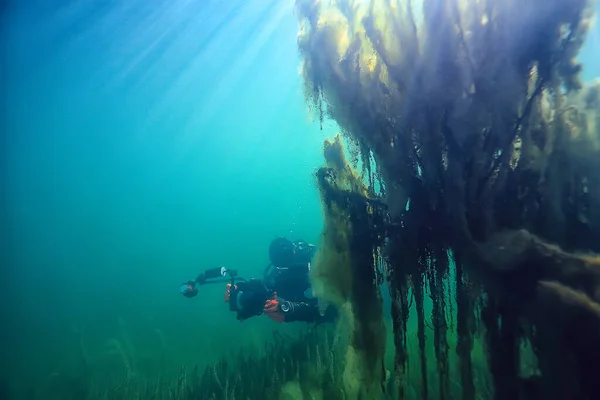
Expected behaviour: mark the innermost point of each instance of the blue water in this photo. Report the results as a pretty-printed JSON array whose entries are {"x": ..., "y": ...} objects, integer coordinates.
[{"x": 145, "y": 141}]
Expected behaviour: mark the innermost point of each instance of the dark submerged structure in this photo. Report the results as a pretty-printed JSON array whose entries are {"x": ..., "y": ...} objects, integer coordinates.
[{"x": 481, "y": 152}]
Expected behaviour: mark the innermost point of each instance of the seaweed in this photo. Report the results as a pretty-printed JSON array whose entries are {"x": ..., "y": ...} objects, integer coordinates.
[
  {"x": 345, "y": 267},
  {"x": 308, "y": 365},
  {"x": 486, "y": 144}
]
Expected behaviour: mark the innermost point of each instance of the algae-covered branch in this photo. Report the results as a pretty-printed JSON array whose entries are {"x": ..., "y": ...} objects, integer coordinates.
[{"x": 486, "y": 149}]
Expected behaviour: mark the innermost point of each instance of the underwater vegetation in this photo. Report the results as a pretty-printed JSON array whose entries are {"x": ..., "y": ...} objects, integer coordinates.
[
  {"x": 308, "y": 366},
  {"x": 480, "y": 151},
  {"x": 471, "y": 195}
]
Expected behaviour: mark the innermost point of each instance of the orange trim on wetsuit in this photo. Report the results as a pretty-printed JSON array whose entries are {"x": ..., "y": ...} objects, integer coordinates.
[
  {"x": 272, "y": 309},
  {"x": 227, "y": 293}
]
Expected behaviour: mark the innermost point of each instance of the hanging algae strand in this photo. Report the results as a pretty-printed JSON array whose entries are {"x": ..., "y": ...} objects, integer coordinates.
[
  {"x": 345, "y": 272},
  {"x": 474, "y": 111}
]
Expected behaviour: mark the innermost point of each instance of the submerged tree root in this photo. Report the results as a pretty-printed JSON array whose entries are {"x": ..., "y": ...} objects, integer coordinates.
[
  {"x": 480, "y": 133},
  {"x": 346, "y": 266},
  {"x": 560, "y": 294}
]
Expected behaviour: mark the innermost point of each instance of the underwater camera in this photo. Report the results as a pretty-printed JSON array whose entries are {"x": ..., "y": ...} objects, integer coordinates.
[{"x": 248, "y": 298}]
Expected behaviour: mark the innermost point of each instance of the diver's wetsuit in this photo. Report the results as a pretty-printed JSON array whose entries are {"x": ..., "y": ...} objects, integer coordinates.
[
  {"x": 293, "y": 293},
  {"x": 284, "y": 294}
]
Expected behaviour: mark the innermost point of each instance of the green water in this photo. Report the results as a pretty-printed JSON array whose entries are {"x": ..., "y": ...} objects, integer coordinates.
[
  {"x": 143, "y": 143},
  {"x": 146, "y": 143}
]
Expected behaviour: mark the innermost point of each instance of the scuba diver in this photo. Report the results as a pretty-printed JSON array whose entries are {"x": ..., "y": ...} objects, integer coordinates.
[{"x": 284, "y": 294}]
